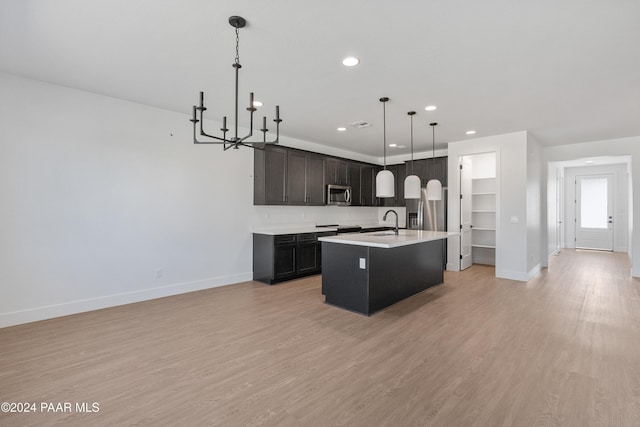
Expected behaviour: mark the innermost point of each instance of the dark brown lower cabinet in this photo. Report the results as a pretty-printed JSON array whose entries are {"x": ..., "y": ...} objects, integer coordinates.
[
  {"x": 286, "y": 256},
  {"x": 285, "y": 262}
]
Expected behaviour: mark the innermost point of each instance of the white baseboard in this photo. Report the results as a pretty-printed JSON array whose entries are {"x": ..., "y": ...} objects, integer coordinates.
[
  {"x": 520, "y": 276},
  {"x": 453, "y": 266},
  {"x": 534, "y": 271},
  {"x": 73, "y": 307},
  {"x": 512, "y": 275}
]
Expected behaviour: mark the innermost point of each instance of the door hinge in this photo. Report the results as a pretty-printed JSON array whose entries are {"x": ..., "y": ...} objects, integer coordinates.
[
  {"x": 460, "y": 167},
  {"x": 460, "y": 256},
  {"x": 461, "y": 227},
  {"x": 461, "y": 197}
]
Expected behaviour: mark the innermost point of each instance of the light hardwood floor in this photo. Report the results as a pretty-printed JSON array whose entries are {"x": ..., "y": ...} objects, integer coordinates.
[{"x": 560, "y": 350}]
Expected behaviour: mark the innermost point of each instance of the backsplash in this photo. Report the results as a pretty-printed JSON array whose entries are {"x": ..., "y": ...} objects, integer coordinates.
[{"x": 264, "y": 216}]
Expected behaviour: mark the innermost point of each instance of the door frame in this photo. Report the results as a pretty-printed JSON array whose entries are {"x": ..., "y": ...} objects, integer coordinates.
[
  {"x": 453, "y": 202},
  {"x": 611, "y": 201},
  {"x": 622, "y": 208}
]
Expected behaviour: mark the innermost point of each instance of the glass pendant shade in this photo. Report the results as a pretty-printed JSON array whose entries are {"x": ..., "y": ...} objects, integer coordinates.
[
  {"x": 385, "y": 185},
  {"x": 434, "y": 190},
  {"x": 412, "y": 187}
]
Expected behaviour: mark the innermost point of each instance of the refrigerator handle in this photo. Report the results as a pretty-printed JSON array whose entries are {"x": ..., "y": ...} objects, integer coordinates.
[{"x": 421, "y": 215}]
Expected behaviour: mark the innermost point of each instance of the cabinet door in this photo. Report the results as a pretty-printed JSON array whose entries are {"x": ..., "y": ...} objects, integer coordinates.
[
  {"x": 308, "y": 258},
  {"x": 391, "y": 201},
  {"x": 343, "y": 173},
  {"x": 367, "y": 186},
  {"x": 332, "y": 171},
  {"x": 296, "y": 178},
  {"x": 315, "y": 181},
  {"x": 441, "y": 170},
  {"x": 275, "y": 162},
  {"x": 400, "y": 176},
  {"x": 337, "y": 171},
  {"x": 437, "y": 169},
  {"x": 284, "y": 262},
  {"x": 355, "y": 183},
  {"x": 419, "y": 169}
]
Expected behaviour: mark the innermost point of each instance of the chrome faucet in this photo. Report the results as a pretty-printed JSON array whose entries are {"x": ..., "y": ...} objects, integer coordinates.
[{"x": 384, "y": 218}]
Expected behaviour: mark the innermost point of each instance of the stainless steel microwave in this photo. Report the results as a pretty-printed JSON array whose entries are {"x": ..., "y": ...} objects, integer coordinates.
[{"x": 338, "y": 195}]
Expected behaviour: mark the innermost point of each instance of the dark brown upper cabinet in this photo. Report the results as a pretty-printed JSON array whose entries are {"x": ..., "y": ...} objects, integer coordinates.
[
  {"x": 337, "y": 171},
  {"x": 285, "y": 176},
  {"x": 428, "y": 169}
]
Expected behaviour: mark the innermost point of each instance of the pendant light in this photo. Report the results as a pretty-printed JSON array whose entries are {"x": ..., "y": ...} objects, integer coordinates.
[
  {"x": 385, "y": 185},
  {"x": 412, "y": 182},
  {"x": 434, "y": 186}
]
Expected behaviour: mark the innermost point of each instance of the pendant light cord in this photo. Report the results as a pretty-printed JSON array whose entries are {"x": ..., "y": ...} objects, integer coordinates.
[
  {"x": 384, "y": 133},
  {"x": 411, "y": 113},
  {"x": 237, "y": 46},
  {"x": 433, "y": 139}
]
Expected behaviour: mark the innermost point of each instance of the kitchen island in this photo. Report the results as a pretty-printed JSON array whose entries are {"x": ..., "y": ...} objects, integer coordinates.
[{"x": 367, "y": 272}]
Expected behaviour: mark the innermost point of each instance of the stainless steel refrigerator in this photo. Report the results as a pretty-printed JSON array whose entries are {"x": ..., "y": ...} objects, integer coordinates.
[{"x": 423, "y": 214}]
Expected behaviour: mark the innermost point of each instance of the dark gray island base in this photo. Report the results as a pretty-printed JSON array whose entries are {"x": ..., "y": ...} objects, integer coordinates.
[{"x": 366, "y": 279}]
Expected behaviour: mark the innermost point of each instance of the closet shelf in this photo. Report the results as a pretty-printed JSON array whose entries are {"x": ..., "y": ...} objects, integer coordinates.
[{"x": 483, "y": 246}]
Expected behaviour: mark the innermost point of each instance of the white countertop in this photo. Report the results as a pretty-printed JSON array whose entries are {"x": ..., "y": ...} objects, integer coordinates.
[{"x": 388, "y": 239}]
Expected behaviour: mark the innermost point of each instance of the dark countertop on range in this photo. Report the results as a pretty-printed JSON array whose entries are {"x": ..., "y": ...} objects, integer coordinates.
[{"x": 277, "y": 230}]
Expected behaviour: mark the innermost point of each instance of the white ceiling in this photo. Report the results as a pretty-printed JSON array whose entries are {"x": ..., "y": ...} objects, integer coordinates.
[{"x": 567, "y": 71}]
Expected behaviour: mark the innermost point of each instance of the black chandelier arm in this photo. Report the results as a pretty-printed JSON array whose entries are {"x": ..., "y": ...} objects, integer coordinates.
[{"x": 235, "y": 143}]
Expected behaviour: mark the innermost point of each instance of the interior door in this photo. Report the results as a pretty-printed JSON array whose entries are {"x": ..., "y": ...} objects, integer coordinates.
[
  {"x": 594, "y": 212},
  {"x": 465, "y": 214}
]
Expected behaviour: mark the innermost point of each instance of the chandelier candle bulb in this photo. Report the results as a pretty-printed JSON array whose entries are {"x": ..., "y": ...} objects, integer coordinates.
[
  {"x": 277, "y": 112},
  {"x": 224, "y": 124},
  {"x": 264, "y": 123}
]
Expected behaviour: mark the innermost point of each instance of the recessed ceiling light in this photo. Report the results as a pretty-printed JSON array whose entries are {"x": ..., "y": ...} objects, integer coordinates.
[
  {"x": 471, "y": 132},
  {"x": 589, "y": 162},
  {"x": 341, "y": 129},
  {"x": 430, "y": 108},
  {"x": 257, "y": 104},
  {"x": 393, "y": 145},
  {"x": 401, "y": 146},
  {"x": 350, "y": 61}
]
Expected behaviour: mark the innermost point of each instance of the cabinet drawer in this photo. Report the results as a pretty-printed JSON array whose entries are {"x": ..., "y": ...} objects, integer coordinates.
[
  {"x": 307, "y": 238},
  {"x": 285, "y": 239}
]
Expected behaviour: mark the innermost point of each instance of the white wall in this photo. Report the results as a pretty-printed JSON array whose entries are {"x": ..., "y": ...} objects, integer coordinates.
[
  {"x": 534, "y": 221},
  {"x": 554, "y": 196},
  {"x": 620, "y": 203},
  {"x": 101, "y": 195},
  {"x": 617, "y": 147},
  {"x": 511, "y": 200}
]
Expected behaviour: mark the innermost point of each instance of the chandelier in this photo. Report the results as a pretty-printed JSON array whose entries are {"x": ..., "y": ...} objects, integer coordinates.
[{"x": 234, "y": 141}]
